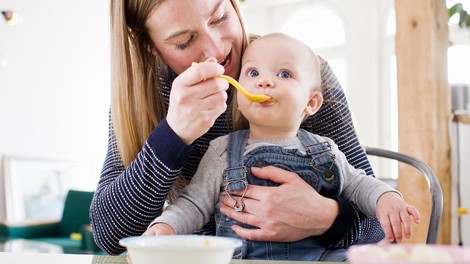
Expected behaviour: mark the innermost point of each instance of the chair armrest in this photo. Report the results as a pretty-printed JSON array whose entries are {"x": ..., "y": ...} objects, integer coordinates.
[{"x": 29, "y": 229}]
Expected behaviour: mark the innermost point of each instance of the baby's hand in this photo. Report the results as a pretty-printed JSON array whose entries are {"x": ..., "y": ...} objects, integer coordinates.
[
  {"x": 395, "y": 216},
  {"x": 159, "y": 229}
]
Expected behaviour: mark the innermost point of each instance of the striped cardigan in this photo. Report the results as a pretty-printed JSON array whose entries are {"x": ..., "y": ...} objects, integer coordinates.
[{"x": 128, "y": 199}]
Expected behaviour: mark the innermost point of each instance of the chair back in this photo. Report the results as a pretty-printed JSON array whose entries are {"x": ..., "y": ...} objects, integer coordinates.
[{"x": 76, "y": 212}]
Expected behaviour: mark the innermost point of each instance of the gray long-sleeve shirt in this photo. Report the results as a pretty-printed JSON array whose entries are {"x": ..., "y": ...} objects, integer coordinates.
[{"x": 199, "y": 199}]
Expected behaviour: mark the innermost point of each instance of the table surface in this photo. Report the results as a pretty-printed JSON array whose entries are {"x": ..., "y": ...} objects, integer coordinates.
[
  {"x": 23, "y": 251},
  {"x": 50, "y": 258}
]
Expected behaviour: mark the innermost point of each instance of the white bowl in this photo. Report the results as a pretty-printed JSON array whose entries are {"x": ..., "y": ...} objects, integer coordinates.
[{"x": 180, "y": 249}]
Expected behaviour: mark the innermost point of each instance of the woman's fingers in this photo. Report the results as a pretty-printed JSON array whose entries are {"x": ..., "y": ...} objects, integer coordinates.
[
  {"x": 201, "y": 72},
  {"x": 272, "y": 173},
  {"x": 205, "y": 70},
  {"x": 197, "y": 100},
  {"x": 250, "y": 234},
  {"x": 289, "y": 212},
  {"x": 197, "y": 82}
]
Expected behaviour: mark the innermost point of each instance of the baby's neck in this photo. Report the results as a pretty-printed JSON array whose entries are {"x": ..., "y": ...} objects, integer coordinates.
[{"x": 271, "y": 134}]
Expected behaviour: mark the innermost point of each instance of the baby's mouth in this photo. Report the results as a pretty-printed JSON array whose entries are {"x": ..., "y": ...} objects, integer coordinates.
[{"x": 267, "y": 102}]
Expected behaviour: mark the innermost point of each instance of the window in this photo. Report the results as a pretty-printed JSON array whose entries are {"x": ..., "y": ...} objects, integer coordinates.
[
  {"x": 459, "y": 50},
  {"x": 326, "y": 27},
  {"x": 457, "y": 59},
  {"x": 328, "y": 36}
]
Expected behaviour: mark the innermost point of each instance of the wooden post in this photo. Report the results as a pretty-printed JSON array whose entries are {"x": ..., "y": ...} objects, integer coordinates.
[{"x": 423, "y": 104}]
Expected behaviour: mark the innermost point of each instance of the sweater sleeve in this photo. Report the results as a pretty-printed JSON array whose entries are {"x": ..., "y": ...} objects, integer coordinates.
[
  {"x": 196, "y": 203},
  {"x": 128, "y": 199},
  {"x": 334, "y": 120}
]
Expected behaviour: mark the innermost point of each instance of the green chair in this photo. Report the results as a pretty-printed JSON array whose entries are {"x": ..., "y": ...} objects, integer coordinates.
[{"x": 72, "y": 232}]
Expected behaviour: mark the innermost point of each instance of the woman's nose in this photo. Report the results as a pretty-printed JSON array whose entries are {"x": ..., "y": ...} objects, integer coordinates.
[
  {"x": 265, "y": 83},
  {"x": 214, "y": 47}
]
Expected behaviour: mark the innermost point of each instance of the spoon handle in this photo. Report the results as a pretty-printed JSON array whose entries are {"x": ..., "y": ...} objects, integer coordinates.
[{"x": 252, "y": 97}]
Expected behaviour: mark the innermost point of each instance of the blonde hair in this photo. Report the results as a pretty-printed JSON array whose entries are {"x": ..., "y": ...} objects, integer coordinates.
[
  {"x": 239, "y": 120},
  {"x": 137, "y": 104}
]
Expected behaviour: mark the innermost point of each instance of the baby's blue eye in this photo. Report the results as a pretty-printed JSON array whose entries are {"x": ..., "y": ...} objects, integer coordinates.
[
  {"x": 284, "y": 74},
  {"x": 253, "y": 73}
]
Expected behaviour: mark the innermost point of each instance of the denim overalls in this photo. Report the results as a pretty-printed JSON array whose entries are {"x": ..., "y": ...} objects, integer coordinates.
[{"x": 318, "y": 168}]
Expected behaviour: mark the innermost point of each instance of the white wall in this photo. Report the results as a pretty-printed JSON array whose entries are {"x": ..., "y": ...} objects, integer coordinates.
[{"x": 54, "y": 90}]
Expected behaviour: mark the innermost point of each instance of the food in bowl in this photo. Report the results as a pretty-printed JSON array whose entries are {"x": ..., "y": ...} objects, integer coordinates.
[
  {"x": 180, "y": 249},
  {"x": 408, "y": 254}
]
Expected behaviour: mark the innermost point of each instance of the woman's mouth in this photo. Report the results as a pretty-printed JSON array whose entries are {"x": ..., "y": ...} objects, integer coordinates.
[{"x": 227, "y": 61}]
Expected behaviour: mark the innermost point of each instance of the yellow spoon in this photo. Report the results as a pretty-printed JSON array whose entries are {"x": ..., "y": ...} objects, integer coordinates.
[{"x": 257, "y": 98}]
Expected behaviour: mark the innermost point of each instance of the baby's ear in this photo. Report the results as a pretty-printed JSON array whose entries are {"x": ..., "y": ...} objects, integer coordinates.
[{"x": 314, "y": 103}]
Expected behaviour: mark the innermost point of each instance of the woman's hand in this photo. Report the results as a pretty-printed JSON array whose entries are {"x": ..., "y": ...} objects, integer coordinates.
[
  {"x": 196, "y": 100},
  {"x": 289, "y": 212}
]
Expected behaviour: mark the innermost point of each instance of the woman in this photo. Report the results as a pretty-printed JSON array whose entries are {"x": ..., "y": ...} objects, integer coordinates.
[{"x": 163, "y": 116}]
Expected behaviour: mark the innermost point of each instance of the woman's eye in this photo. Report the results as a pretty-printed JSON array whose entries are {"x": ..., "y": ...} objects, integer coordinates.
[
  {"x": 184, "y": 45},
  {"x": 221, "y": 19},
  {"x": 284, "y": 74},
  {"x": 253, "y": 73}
]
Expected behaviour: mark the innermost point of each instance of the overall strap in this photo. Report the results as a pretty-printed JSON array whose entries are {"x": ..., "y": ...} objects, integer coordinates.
[
  {"x": 314, "y": 145},
  {"x": 320, "y": 152},
  {"x": 236, "y": 146},
  {"x": 235, "y": 174}
]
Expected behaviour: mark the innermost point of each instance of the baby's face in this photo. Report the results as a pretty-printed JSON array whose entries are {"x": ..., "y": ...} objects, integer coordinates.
[{"x": 283, "y": 68}]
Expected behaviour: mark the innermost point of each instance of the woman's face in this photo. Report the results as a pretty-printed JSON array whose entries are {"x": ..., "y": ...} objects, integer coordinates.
[{"x": 186, "y": 31}]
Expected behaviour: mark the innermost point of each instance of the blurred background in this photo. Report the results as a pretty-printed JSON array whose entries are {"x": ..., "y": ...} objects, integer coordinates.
[{"x": 55, "y": 72}]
